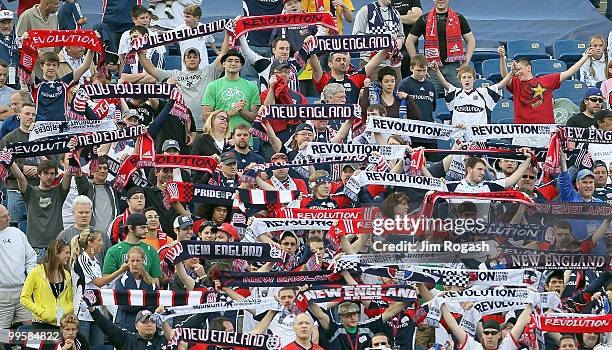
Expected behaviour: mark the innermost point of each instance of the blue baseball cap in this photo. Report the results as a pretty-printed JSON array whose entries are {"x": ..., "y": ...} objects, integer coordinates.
[
  {"x": 593, "y": 92},
  {"x": 584, "y": 173}
]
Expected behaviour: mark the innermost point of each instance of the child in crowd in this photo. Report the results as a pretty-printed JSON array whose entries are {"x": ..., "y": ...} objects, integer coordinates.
[{"x": 594, "y": 70}]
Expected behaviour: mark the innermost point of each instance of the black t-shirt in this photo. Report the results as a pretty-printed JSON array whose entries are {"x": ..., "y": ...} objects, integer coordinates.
[
  {"x": 418, "y": 29},
  {"x": 174, "y": 129},
  {"x": 146, "y": 112},
  {"x": 403, "y": 6},
  {"x": 580, "y": 120},
  {"x": 260, "y": 8}
]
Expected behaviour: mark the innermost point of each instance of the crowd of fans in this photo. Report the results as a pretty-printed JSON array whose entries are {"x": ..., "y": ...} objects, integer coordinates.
[{"x": 64, "y": 232}]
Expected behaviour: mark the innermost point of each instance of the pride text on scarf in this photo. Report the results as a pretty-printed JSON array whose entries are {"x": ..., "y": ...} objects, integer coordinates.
[
  {"x": 165, "y": 38},
  {"x": 186, "y": 192},
  {"x": 222, "y": 250},
  {"x": 226, "y": 339}
]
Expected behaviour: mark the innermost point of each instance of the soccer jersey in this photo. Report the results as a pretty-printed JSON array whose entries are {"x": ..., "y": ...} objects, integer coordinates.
[
  {"x": 116, "y": 14},
  {"x": 352, "y": 84},
  {"x": 261, "y": 8},
  {"x": 472, "y": 107},
  {"x": 423, "y": 93},
  {"x": 52, "y": 98},
  {"x": 533, "y": 99}
]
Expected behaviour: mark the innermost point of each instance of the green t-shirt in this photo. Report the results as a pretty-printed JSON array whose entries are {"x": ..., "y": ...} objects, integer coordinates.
[
  {"x": 224, "y": 93},
  {"x": 117, "y": 256}
]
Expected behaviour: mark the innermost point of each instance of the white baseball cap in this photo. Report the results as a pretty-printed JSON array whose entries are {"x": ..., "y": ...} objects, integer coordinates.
[{"x": 6, "y": 14}]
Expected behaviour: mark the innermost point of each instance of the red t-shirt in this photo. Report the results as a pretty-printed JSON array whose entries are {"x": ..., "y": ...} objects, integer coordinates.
[
  {"x": 533, "y": 99},
  {"x": 295, "y": 346}
]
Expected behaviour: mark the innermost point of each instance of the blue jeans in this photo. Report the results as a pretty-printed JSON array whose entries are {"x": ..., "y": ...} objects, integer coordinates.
[
  {"x": 17, "y": 209},
  {"x": 92, "y": 332}
]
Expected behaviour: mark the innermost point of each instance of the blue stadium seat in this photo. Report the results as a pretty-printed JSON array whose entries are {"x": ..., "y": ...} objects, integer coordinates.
[
  {"x": 568, "y": 51},
  {"x": 571, "y": 89},
  {"x": 503, "y": 110},
  {"x": 482, "y": 83},
  {"x": 481, "y": 55},
  {"x": 172, "y": 62},
  {"x": 442, "y": 113},
  {"x": 445, "y": 144},
  {"x": 547, "y": 66},
  {"x": 313, "y": 100},
  {"x": 490, "y": 69},
  {"x": 506, "y": 121},
  {"x": 526, "y": 48}
]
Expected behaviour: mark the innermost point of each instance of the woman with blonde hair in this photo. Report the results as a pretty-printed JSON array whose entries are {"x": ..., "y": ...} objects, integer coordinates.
[
  {"x": 215, "y": 134},
  {"x": 87, "y": 274},
  {"x": 136, "y": 277},
  {"x": 47, "y": 291},
  {"x": 594, "y": 69}
]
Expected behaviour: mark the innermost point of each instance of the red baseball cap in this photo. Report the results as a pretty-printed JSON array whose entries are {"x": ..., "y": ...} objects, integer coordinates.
[{"x": 229, "y": 229}]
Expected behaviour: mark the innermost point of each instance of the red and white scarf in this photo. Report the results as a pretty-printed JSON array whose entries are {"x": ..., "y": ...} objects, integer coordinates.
[{"x": 454, "y": 45}]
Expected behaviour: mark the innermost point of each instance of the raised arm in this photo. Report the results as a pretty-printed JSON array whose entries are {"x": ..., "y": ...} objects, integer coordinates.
[
  {"x": 78, "y": 73},
  {"x": 342, "y": 132},
  {"x": 375, "y": 62},
  {"x": 147, "y": 65},
  {"x": 502, "y": 61},
  {"x": 445, "y": 84},
  {"x": 224, "y": 49},
  {"x": 263, "y": 325},
  {"x": 573, "y": 69},
  {"x": 521, "y": 322},
  {"x": 320, "y": 315},
  {"x": 518, "y": 173},
  {"x": 411, "y": 16},
  {"x": 452, "y": 324},
  {"x": 22, "y": 182},
  {"x": 392, "y": 310},
  {"x": 276, "y": 143}
]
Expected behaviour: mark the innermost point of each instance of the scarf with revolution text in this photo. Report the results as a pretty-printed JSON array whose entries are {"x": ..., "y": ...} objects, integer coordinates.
[
  {"x": 191, "y": 162},
  {"x": 337, "y": 293},
  {"x": 556, "y": 261},
  {"x": 504, "y": 196},
  {"x": 517, "y": 295},
  {"x": 226, "y": 339},
  {"x": 482, "y": 278},
  {"x": 219, "y": 306},
  {"x": 529, "y": 232},
  {"x": 113, "y": 169},
  {"x": 368, "y": 213},
  {"x": 186, "y": 192},
  {"x": 260, "y": 226},
  {"x": 222, "y": 250},
  {"x": 590, "y": 135},
  {"x": 573, "y": 323},
  {"x": 413, "y": 128},
  {"x": 250, "y": 23},
  {"x": 322, "y": 149},
  {"x": 37, "y": 39},
  {"x": 165, "y": 38},
  {"x": 454, "y": 45},
  {"x": 137, "y": 297},
  {"x": 355, "y": 183},
  {"x": 501, "y": 131},
  {"x": 343, "y": 43},
  {"x": 293, "y": 113},
  {"x": 43, "y": 130}
]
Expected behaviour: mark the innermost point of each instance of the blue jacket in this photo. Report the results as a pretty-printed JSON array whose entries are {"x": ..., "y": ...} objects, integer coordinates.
[{"x": 126, "y": 315}]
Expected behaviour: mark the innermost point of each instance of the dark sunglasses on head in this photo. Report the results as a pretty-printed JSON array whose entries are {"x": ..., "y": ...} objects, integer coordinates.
[
  {"x": 595, "y": 99},
  {"x": 531, "y": 177}
]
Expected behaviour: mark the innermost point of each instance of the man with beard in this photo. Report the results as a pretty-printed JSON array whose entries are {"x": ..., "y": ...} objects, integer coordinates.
[
  {"x": 591, "y": 104},
  {"x": 8, "y": 43},
  {"x": 507, "y": 167},
  {"x": 242, "y": 152}
]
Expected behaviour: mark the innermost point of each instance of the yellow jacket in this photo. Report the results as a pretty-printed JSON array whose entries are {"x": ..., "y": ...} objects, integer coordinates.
[{"x": 38, "y": 297}]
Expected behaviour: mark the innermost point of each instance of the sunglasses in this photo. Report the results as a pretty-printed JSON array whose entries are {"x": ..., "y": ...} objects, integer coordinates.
[
  {"x": 596, "y": 100},
  {"x": 490, "y": 332},
  {"x": 530, "y": 177}
]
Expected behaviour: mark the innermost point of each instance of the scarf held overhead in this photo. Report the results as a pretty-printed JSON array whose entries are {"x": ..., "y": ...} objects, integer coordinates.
[
  {"x": 186, "y": 192},
  {"x": 274, "y": 278},
  {"x": 574, "y": 323},
  {"x": 197, "y": 163},
  {"x": 336, "y": 293},
  {"x": 321, "y": 149},
  {"x": 222, "y": 250},
  {"x": 500, "y": 131},
  {"x": 165, "y": 38},
  {"x": 413, "y": 128},
  {"x": 589, "y": 135},
  {"x": 220, "y": 306},
  {"x": 58, "y": 128},
  {"x": 37, "y": 39}
]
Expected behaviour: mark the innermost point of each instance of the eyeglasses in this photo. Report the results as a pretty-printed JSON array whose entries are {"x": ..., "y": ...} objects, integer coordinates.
[
  {"x": 530, "y": 177},
  {"x": 490, "y": 332},
  {"x": 221, "y": 118},
  {"x": 596, "y": 100}
]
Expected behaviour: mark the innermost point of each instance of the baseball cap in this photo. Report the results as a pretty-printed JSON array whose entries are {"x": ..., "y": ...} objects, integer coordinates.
[
  {"x": 227, "y": 228},
  {"x": 233, "y": 53},
  {"x": 182, "y": 222},
  {"x": 491, "y": 324},
  {"x": 278, "y": 66},
  {"x": 289, "y": 233},
  {"x": 136, "y": 219},
  {"x": 143, "y": 316},
  {"x": 593, "y": 92},
  {"x": 134, "y": 190},
  {"x": 599, "y": 163},
  {"x": 303, "y": 127},
  {"x": 584, "y": 173},
  {"x": 190, "y": 50},
  {"x": 279, "y": 158},
  {"x": 6, "y": 14},
  {"x": 602, "y": 114},
  {"x": 171, "y": 144},
  {"x": 131, "y": 113},
  {"x": 352, "y": 165},
  {"x": 228, "y": 158},
  {"x": 348, "y": 308}
]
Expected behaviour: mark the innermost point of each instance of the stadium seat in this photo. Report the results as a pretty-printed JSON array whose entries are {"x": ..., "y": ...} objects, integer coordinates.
[
  {"x": 313, "y": 100},
  {"x": 482, "y": 83},
  {"x": 481, "y": 55},
  {"x": 172, "y": 62},
  {"x": 571, "y": 89},
  {"x": 547, "y": 66},
  {"x": 506, "y": 121},
  {"x": 490, "y": 69},
  {"x": 503, "y": 110},
  {"x": 442, "y": 113},
  {"x": 568, "y": 51},
  {"x": 526, "y": 48}
]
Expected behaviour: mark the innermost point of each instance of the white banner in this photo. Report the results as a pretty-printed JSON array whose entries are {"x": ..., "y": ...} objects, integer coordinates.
[{"x": 55, "y": 128}]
